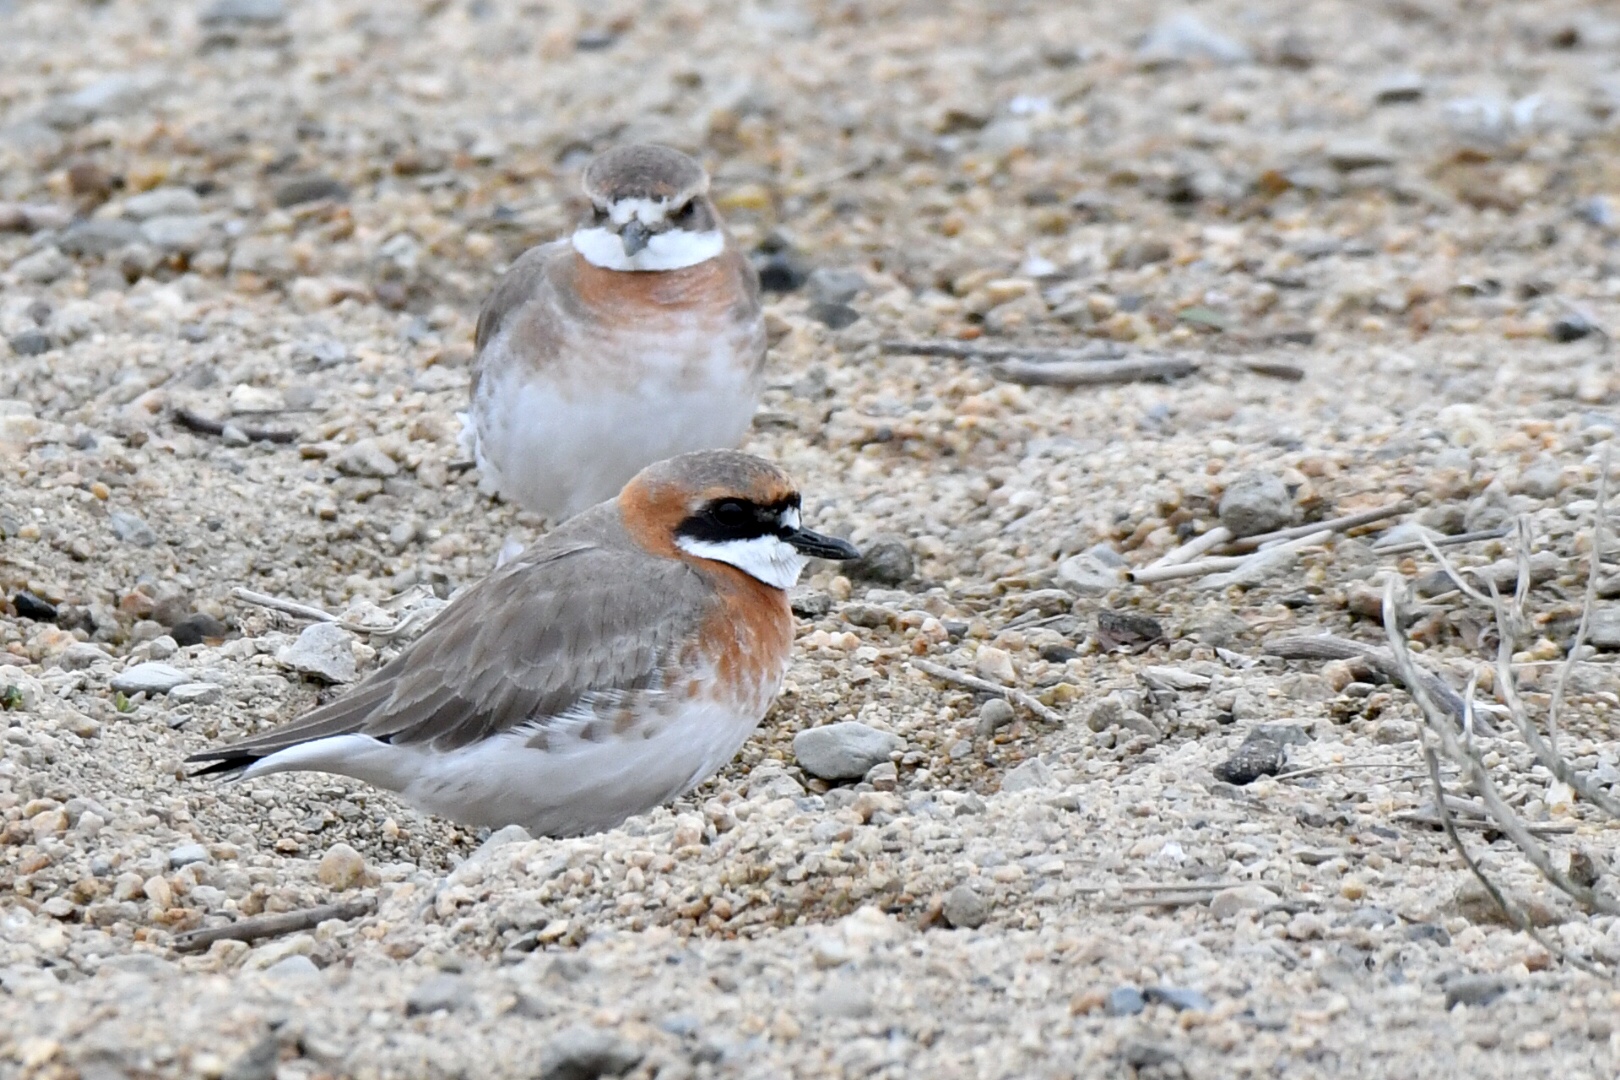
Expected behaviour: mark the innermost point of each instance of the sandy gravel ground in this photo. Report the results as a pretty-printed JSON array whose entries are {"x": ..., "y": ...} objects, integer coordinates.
[{"x": 283, "y": 216}]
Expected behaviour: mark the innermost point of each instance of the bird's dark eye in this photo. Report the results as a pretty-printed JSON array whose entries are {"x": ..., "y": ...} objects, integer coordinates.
[
  {"x": 730, "y": 514},
  {"x": 686, "y": 211},
  {"x": 599, "y": 215}
]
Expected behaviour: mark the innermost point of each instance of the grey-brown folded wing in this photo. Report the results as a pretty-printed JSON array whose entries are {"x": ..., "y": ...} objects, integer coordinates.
[
  {"x": 543, "y": 636},
  {"x": 517, "y": 286}
]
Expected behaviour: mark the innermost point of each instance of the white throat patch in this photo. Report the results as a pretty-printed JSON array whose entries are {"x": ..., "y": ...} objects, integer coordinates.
[
  {"x": 673, "y": 250},
  {"x": 765, "y": 558}
]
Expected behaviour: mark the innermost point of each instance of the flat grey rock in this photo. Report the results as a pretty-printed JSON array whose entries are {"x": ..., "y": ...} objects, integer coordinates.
[
  {"x": 324, "y": 651},
  {"x": 842, "y": 751},
  {"x": 151, "y": 677}
]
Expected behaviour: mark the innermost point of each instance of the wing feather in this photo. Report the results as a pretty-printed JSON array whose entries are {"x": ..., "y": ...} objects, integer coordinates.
[{"x": 534, "y": 643}]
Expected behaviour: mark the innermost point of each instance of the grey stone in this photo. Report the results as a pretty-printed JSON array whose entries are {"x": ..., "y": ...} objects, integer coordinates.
[
  {"x": 43, "y": 266},
  {"x": 1229, "y": 902},
  {"x": 186, "y": 854},
  {"x": 1348, "y": 155},
  {"x": 833, "y": 316},
  {"x": 1124, "y": 1001},
  {"x": 1250, "y": 761},
  {"x": 994, "y": 715},
  {"x": 1572, "y": 326},
  {"x": 1185, "y": 37},
  {"x": 1399, "y": 88},
  {"x": 1407, "y": 532},
  {"x": 244, "y": 12},
  {"x": 1087, "y": 574},
  {"x": 965, "y": 909},
  {"x": 808, "y": 603},
  {"x": 366, "y": 458},
  {"x": 30, "y": 343},
  {"x": 842, "y": 751},
  {"x": 886, "y": 560},
  {"x": 1474, "y": 990},
  {"x": 80, "y": 655},
  {"x": 1541, "y": 479},
  {"x": 1178, "y": 998},
  {"x": 149, "y": 678},
  {"x": 584, "y": 1053},
  {"x": 257, "y": 1062},
  {"x": 183, "y": 233},
  {"x": 131, "y": 529},
  {"x": 324, "y": 651},
  {"x": 1031, "y": 775},
  {"x": 99, "y": 237},
  {"x": 162, "y": 202},
  {"x": 438, "y": 993},
  {"x": 296, "y": 966},
  {"x": 196, "y": 693},
  {"x": 107, "y": 96},
  {"x": 196, "y": 628},
  {"x": 828, "y": 286},
  {"x": 510, "y": 834},
  {"x": 843, "y": 998},
  {"x": 1255, "y": 502},
  {"x": 305, "y": 189},
  {"x": 1281, "y": 734},
  {"x": 266, "y": 256}
]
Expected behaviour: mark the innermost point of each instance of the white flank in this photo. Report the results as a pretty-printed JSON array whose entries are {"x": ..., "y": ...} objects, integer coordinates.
[
  {"x": 764, "y": 558},
  {"x": 673, "y": 250},
  {"x": 571, "y": 788}
]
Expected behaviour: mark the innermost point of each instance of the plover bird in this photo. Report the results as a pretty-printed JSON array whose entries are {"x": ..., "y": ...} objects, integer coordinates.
[
  {"x": 616, "y": 664},
  {"x": 637, "y": 338}
]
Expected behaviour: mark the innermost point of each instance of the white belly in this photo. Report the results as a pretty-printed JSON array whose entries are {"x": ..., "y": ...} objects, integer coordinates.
[
  {"x": 557, "y": 451},
  {"x": 574, "y": 788}
]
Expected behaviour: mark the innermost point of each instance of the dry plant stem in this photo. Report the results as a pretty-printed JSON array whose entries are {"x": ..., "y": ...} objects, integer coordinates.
[
  {"x": 971, "y": 350},
  {"x": 286, "y": 607},
  {"x": 1588, "y": 603},
  {"x": 315, "y": 614},
  {"x": 1517, "y": 917},
  {"x": 269, "y": 926},
  {"x": 1091, "y": 372},
  {"x": 984, "y": 686},
  {"x": 204, "y": 426},
  {"x": 1223, "y": 563},
  {"x": 1443, "y": 541},
  {"x": 1338, "y": 524},
  {"x": 1428, "y": 816},
  {"x": 1217, "y": 536},
  {"x": 1548, "y": 755},
  {"x": 1479, "y": 776},
  {"x": 1327, "y": 647}
]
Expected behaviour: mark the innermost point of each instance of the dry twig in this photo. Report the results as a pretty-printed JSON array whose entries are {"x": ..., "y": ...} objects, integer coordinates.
[
  {"x": 1480, "y": 779},
  {"x": 984, "y": 686},
  {"x": 269, "y": 926},
  {"x": 1339, "y": 525},
  {"x": 1091, "y": 366},
  {"x": 205, "y": 426},
  {"x": 1327, "y": 647},
  {"x": 1232, "y": 564}
]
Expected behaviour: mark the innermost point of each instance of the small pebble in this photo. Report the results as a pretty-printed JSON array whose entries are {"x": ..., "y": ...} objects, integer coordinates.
[
  {"x": 965, "y": 909},
  {"x": 584, "y": 1053},
  {"x": 886, "y": 561},
  {"x": 1254, "y": 503},
  {"x": 1252, "y": 760},
  {"x": 342, "y": 867},
  {"x": 843, "y": 751},
  {"x": 1124, "y": 1001}
]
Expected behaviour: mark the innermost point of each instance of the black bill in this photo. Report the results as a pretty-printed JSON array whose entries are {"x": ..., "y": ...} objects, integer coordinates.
[{"x": 817, "y": 546}]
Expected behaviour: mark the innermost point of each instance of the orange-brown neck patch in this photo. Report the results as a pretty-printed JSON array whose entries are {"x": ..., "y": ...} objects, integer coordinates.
[{"x": 712, "y": 285}]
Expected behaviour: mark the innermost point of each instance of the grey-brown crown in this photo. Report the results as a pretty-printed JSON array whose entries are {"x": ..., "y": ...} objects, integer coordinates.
[{"x": 643, "y": 171}]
